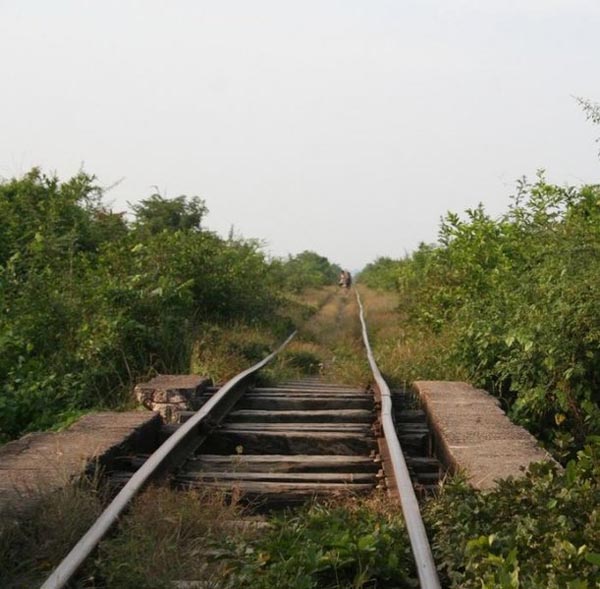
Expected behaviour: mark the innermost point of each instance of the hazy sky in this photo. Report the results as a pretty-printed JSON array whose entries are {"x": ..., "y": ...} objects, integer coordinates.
[{"x": 347, "y": 127}]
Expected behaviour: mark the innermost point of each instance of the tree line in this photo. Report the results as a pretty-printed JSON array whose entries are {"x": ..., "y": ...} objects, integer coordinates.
[
  {"x": 91, "y": 301},
  {"x": 516, "y": 301}
]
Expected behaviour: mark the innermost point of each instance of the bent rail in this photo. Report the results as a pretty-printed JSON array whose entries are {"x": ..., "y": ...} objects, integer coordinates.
[
  {"x": 173, "y": 450},
  {"x": 421, "y": 549}
]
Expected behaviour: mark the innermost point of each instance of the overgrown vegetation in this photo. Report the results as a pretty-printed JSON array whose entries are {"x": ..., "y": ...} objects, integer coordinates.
[
  {"x": 330, "y": 343},
  {"x": 538, "y": 532},
  {"x": 202, "y": 536},
  {"x": 515, "y": 301},
  {"x": 172, "y": 536},
  {"x": 305, "y": 270},
  {"x": 90, "y": 303},
  {"x": 510, "y": 304},
  {"x": 352, "y": 543},
  {"x": 37, "y": 533}
]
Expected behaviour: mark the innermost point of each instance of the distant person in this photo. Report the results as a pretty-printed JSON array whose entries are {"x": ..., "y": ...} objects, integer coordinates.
[{"x": 345, "y": 279}]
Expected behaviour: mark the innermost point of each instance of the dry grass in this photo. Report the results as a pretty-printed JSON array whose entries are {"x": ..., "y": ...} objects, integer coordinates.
[
  {"x": 333, "y": 335},
  {"x": 166, "y": 535},
  {"x": 37, "y": 534},
  {"x": 172, "y": 535},
  {"x": 328, "y": 343},
  {"x": 313, "y": 298},
  {"x": 404, "y": 352},
  {"x": 222, "y": 352}
]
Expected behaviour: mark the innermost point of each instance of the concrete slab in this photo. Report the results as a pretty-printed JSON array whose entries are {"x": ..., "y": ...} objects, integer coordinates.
[
  {"x": 45, "y": 461},
  {"x": 473, "y": 434}
]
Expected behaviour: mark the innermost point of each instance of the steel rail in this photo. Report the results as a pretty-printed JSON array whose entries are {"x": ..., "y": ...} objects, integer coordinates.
[
  {"x": 421, "y": 549},
  {"x": 182, "y": 437}
]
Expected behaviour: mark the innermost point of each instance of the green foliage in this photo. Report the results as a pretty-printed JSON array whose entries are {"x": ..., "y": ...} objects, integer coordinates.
[
  {"x": 517, "y": 301},
  {"x": 382, "y": 274},
  {"x": 89, "y": 304},
  {"x": 331, "y": 547},
  {"x": 541, "y": 531},
  {"x": 305, "y": 270},
  {"x": 156, "y": 213},
  {"x": 591, "y": 110}
]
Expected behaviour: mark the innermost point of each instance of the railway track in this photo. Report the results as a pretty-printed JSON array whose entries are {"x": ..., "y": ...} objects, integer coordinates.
[
  {"x": 282, "y": 445},
  {"x": 279, "y": 446}
]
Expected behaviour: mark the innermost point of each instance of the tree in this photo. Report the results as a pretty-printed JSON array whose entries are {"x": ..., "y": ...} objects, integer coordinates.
[
  {"x": 591, "y": 110},
  {"x": 156, "y": 213},
  {"x": 305, "y": 270}
]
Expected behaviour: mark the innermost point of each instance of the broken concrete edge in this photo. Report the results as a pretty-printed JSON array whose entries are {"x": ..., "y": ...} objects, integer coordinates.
[
  {"x": 444, "y": 452},
  {"x": 168, "y": 394}
]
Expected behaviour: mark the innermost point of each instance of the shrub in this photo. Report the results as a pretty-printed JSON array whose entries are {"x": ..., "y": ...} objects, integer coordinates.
[
  {"x": 90, "y": 304},
  {"x": 516, "y": 300},
  {"x": 541, "y": 531},
  {"x": 352, "y": 544}
]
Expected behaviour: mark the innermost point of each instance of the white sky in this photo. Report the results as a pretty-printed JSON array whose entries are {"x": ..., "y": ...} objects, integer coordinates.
[{"x": 347, "y": 127}]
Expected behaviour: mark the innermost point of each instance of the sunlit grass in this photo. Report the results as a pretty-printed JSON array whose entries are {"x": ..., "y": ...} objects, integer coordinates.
[
  {"x": 221, "y": 352},
  {"x": 334, "y": 333},
  {"x": 405, "y": 352}
]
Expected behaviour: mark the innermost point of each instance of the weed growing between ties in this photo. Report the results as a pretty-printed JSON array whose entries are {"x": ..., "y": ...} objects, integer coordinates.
[
  {"x": 351, "y": 543},
  {"x": 200, "y": 537},
  {"x": 36, "y": 534},
  {"x": 538, "y": 532}
]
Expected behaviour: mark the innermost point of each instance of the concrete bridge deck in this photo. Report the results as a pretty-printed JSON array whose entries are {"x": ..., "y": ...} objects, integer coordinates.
[
  {"x": 41, "y": 462},
  {"x": 473, "y": 434}
]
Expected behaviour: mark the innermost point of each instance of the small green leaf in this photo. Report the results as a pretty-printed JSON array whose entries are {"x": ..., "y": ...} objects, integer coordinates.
[{"x": 593, "y": 557}]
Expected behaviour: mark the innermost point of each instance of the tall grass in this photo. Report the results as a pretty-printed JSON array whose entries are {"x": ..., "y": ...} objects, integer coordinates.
[
  {"x": 40, "y": 529},
  {"x": 333, "y": 336},
  {"x": 172, "y": 536},
  {"x": 405, "y": 351}
]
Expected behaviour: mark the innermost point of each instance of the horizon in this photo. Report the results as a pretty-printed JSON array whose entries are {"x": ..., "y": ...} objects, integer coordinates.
[{"x": 342, "y": 128}]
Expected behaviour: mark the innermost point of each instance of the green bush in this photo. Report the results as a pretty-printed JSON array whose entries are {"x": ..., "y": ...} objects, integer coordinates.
[
  {"x": 305, "y": 270},
  {"x": 326, "y": 547},
  {"x": 382, "y": 274},
  {"x": 89, "y": 304},
  {"x": 541, "y": 531},
  {"x": 517, "y": 299}
]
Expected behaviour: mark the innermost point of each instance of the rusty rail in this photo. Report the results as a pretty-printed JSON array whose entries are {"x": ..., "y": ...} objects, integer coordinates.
[
  {"x": 421, "y": 549},
  {"x": 172, "y": 452}
]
